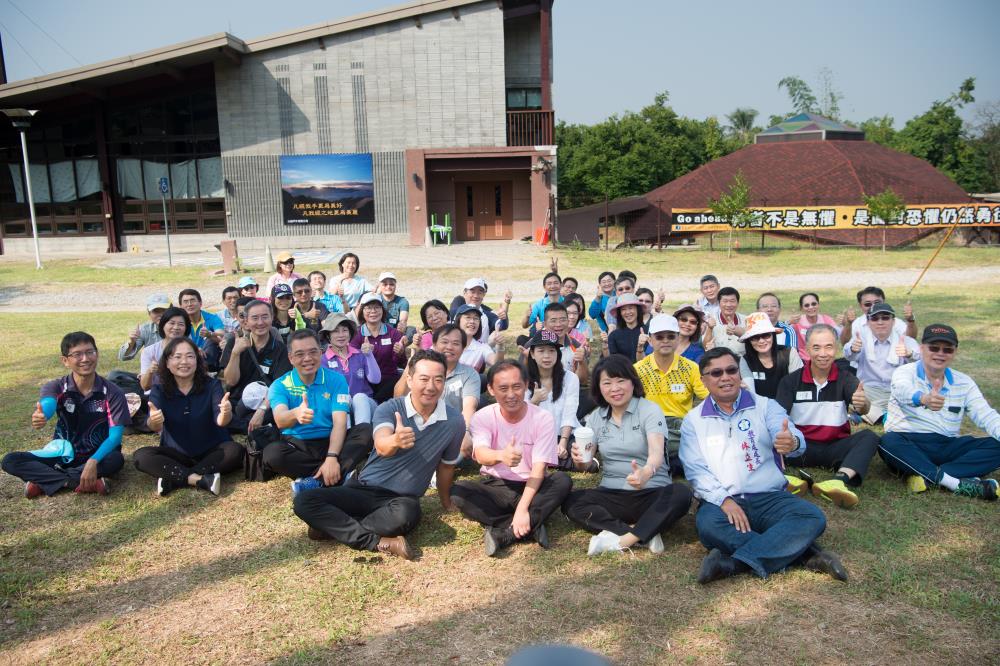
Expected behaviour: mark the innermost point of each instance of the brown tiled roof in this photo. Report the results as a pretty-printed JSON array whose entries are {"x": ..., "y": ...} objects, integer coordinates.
[{"x": 810, "y": 173}]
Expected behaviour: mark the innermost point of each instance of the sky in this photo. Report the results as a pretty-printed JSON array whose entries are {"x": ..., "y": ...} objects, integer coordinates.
[{"x": 886, "y": 57}]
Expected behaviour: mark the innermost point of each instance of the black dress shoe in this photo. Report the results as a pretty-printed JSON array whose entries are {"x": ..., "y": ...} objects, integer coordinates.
[
  {"x": 825, "y": 561},
  {"x": 716, "y": 566},
  {"x": 495, "y": 540},
  {"x": 317, "y": 535},
  {"x": 541, "y": 536}
]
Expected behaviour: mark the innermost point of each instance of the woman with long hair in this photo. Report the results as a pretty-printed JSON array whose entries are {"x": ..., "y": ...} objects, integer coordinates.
[
  {"x": 190, "y": 411},
  {"x": 765, "y": 362},
  {"x": 553, "y": 389},
  {"x": 691, "y": 322},
  {"x": 174, "y": 323},
  {"x": 477, "y": 355},
  {"x": 349, "y": 285},
  {"x": 630, "y": 335},
  {"x": 283, "y": 311}
]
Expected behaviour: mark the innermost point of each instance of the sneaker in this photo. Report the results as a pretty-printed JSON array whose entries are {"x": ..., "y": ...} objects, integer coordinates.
[
  {"x": 210, "y": 482},
  {"x": 495, "y": 540},
  {"x": 975, "y": 487},
  {"x": 716, "y": 566},
  {"x": 163, "y": 487},
  {"x": 396, "y": 546},
  {"x": 825, "y": 561},
  {"x": 541, "y": 536},
  {"x": 305, "y": 483},
  {"x": 102, "y": 487},
  {"x": 434, "y": 481},
  {"x": 916, "y": 484},
  {"x": 837, "y": 492},
  {"x": 605, "y": 542},
  {"x": 656, "y": 545},
  {"x": 33, "y": 490},
  {"x": 796, "y": 486}
]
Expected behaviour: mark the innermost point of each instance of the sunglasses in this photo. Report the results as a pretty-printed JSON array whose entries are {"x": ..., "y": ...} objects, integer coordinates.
[
  {"x": 881, "y": 317},
  {"x": 940, "y": 349},
  {"x": 809, "y": 305},
  {"x": 868, "y": 304},
  {"x": 731, "y": 371}
]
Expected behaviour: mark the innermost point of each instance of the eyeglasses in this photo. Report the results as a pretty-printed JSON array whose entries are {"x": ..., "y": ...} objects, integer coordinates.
[
  {"x": 881, "y": 317},
  {"x": 309, "y": 353},
  {"x": 731, "y": 371},
  {"x": 868, "y": 304},
  {"x": 664, "y": 336},
  {"x": 303, "y": 292},
  {"x": 810, "y": 305},
  {"x": 86, "y": 353},
  {"x": 936, "y": 349}
]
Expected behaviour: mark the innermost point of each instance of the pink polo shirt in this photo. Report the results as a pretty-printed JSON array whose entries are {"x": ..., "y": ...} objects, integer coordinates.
[{"x": 535, "y": 433}]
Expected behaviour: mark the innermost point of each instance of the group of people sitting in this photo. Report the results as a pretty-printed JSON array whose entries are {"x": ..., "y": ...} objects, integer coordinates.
[{"x": 338, "y": 391}]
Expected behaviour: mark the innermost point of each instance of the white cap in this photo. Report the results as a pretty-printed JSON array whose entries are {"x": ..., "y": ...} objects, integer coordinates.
[
  {"x": 385, "y": 275},
  {"x": 758, "y": 323},
  {"x": 472, "y": 283},
  {"x": 663, "y": 323},
  {"x": 254, "y": 394}
]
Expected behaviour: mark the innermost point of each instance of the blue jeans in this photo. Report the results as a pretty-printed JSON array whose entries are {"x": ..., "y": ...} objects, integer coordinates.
[
  {"x": 782, "y": 527},
  {"x": 932, "y": 455}
]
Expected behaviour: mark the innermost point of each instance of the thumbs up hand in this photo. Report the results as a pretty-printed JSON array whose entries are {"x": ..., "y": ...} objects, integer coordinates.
[
  {"x": 901, "y": 350},
  {"x": 366, "y": 347},
  {"x": 303, "y": 414},
  {"x": 784, "y": 441},
  {"x": 405, "y": 437},
  {"x": 933, "y": 401},
  {"x": 856, "y": 343},
  {"x": 38, "y": 417},
  {"x": 908, "y": 310},
  {"x": 859, "y": 401},
  {"x": 155, "y": 418},
  {"x": 638, "y": 477},
  {"x": 849, "y": 315},
  {"x": 134, "y": 336},
  {"x": 225, "y": 411},
  {"x": 511, "y": 455}
]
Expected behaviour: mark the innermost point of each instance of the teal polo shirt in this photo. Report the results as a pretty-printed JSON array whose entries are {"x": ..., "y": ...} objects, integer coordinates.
[{"x": 327, "y": 394}]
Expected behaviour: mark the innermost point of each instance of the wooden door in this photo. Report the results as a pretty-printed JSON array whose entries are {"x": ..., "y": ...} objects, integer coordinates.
[{"x": 484, "y": 211}]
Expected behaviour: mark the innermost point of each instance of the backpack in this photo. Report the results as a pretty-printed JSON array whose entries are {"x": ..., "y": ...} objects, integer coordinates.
[{"x": 253, "y": 464}]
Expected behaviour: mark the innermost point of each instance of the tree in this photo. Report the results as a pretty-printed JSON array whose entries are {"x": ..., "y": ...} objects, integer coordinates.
[
  {"x": 886, "y": 206},
  {"x": 733, "y": 206},
  {"x": 880, "y": 131},
  {"x": 801, "y": 95},
  {"x": 741, "y": 122},
  {"x": 987, "y": 140},
  {"x": 829, "y": 102}
]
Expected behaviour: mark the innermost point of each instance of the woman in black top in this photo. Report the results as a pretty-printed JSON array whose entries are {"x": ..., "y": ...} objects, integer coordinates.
[
  {"x": 629, "y": 337},
  {"x": 189, "y": 410},
  {"x": 283, "y": 310},
  {"x": 766, "y": 362}
]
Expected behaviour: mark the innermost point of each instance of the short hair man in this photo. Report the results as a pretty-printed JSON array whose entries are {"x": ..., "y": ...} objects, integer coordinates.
[
  {"x": 397, "y": 307},
  {"x": 670, "y": 380},
  {"x": 926, "y": 408},
  {"x": 770, "y": 304},
  {"x": 146, "y": 333},
  {"x": 317, "y": 280},
  {"x": 227, "y": 314},
  {"x": 415, "y": 436},
  {"x": 731, "y": 448},
  {"x": 708, "y": 302},
  {"x": 730, "y": 325},
  {"x": 624, "y": 284},
  {"x": 605, "y": 291},
  {"x": 552, "y": 284},
  {"x": 91, "y": 417},
  {"x": 515, "y": 442},
  {"x": 473, "y": 293},
  {"x": 569, "y": 286},
  {"x": 818, "y": 397},
  {"x": 867, "y": 298},
  {"x": 313, "y": 312},
  {"x": 310, "y": 405},
  {"x": 876, "y": 351}
]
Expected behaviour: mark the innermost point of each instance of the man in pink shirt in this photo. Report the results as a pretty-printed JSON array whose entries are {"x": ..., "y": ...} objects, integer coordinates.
[{"x": 515, "y": 442}]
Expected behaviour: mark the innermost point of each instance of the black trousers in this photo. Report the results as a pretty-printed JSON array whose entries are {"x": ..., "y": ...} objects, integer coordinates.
[
  {"x": 51, "y": 475},
  {"x": 491, "y": 502},
  {"x": 855, "y": 452},
  {"x": 175, "y": 466},
  {"x": 296, "y": 458},
  {"x": 383, "y": 390},
  {"x": 357, "y": 516},
  {"x": 650, "y": 510}
]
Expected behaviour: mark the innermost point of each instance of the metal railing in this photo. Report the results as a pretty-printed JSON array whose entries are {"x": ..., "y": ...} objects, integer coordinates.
[{"x": 531, "y": 128}]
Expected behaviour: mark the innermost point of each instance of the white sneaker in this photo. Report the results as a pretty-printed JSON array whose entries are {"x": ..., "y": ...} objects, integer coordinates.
[
  {"x": 656, "y": 545},
  {"x": 434, "y": 481},
  {"x": 605, "y": 542}
]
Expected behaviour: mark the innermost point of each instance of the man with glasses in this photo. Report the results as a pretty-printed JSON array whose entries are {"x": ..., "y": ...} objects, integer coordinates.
[
  {"x": 670, "y": 381},
  {"x": 313, "y": 312},
  {"x": 926, "y": 410},
  {"x": 868, "y": 297},
  {"x": 731, "y": 448},
  {"x": 876, "y": 351},
  {"x": 91, "y": 414},
  {"x": 310, "y": 405}
]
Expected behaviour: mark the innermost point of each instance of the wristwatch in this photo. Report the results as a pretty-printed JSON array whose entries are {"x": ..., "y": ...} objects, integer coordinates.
[{"x": 333, "y": 455}]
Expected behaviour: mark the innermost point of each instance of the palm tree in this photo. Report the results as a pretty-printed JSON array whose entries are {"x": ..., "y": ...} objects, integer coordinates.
[{"x": 741, "y": 123}]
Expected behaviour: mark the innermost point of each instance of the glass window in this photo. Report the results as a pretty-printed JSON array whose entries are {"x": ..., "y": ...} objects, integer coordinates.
[
  {"x": 214, "y": 224},
  {"x": 134, "y": 208},
  {"x": 64, "y": 210},
  {"x": 151, "y": 120},
  {"x": 213, "y": 206},
  {"x": 88, "y": 178},
  {"x": 533, "y": 98},
  {"x": 185, "y": 207},
  {"x": 93, "y": 227},
  {"x": 67, "y": 228},
  {"x": 179, "y": 119},
  {"x": 151, "y": 174},
  {"x": 470, "y": 209},
  {"x": 63, "y": 181},
  {"x": 498, "y": 199},
  {"x": 91, "y": 208},
  {"x": 134, "y": 227},
  {"x": 515, "y": 98},
  {"x": 130, "y": 179},
  {"x": 186, "y": 224},
  {"x": 210, "y": 177},
  {"x": 183, "y": 184},
  {"x": 15, "y": 229}
]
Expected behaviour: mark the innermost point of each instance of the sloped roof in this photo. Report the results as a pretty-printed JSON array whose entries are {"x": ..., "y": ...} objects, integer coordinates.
[{"x": 808, "y": 122}]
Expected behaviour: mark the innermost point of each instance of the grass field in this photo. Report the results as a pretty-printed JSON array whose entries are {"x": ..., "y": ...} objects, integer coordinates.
[{"x": 194, "y": 579}]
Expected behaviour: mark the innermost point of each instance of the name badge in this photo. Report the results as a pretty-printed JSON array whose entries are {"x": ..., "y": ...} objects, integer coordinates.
[
  {"x": 758, "y": 376},
  {"x": 69, "y": 407},
  {"x": 804, "y": 395},
  {"x": 266, "y": 369},
  {"x": 385, "y": 341},
  {"x": 677, "y": 388},
  {"x": 344, "y": 398}
]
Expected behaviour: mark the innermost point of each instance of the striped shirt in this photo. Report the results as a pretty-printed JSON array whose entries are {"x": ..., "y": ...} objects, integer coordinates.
[
  {"x": 962, "y": 396},
  {"x": 819, "y": 411}
]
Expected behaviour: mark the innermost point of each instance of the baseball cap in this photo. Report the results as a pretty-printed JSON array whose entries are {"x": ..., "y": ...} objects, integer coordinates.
[
  {"x": 385, "y": 275},
  {"x": 157, "y": 301},
  {"x": 247, "y": 281},
  {"x": 472, "y": 283},
  {"x": 280, "y": 289},
  {"x": 465, "y": 307},
  {"x": 544, "y": 337},
  {"x": 254, "y": 394},
  {"x": 284, "y": 257},
  {"x": 939, "y": 333},
  {"x": 758, "y": 323},
  {"x": 663, "y": 323},
  {"x": 880, "y": 308},
  {"x": 372, "y": 298}
]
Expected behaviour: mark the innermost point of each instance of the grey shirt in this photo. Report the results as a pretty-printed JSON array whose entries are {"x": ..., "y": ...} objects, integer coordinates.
[
  {"x": 621, "y": 444},
  {"x": 460, "y": 384},
  {"x": 148, "y": 335},
  {"x": 409, "y": 471}
]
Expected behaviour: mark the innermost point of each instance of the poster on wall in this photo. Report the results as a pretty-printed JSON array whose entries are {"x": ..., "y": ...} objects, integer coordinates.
[{"x": 328, "y": 189}]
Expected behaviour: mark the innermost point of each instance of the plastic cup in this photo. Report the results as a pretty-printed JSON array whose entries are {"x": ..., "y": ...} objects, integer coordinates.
[{"x": 584, "y": 438}]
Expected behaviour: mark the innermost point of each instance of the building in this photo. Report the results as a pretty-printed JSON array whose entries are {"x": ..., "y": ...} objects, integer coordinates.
[{"x": 439, "y": 109}]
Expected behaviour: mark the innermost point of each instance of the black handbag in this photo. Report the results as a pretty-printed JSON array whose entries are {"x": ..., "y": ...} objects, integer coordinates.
[{"x": 258, "y": 440}]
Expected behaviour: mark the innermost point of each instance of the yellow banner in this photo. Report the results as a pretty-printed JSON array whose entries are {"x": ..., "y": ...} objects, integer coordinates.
[{"x": 799, "y": 218}]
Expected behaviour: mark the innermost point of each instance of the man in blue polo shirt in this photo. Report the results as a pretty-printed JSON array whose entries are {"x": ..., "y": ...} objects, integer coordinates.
[
  {"x": 552, "y": 284},
  {"x": 91, "y": 416},
  {"x": 310, "y": 405}
]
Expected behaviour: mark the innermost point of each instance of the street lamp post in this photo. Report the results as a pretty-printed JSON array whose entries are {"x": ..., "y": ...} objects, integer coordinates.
[{"x": 21, "y": 119}]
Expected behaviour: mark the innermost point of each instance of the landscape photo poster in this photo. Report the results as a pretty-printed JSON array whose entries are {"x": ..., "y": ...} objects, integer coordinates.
[{"x": 328, "y": 189}]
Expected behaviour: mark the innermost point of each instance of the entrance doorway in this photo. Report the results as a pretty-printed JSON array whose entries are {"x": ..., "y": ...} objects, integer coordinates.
[{"x": 484, "y": 210}]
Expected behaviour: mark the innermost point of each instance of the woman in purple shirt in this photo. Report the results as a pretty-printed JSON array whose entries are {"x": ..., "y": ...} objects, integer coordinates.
[
  {"x": 358, "y": 366},
  {"x": 387, "y": 344}
]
